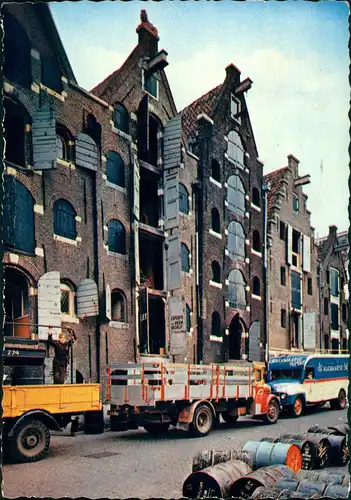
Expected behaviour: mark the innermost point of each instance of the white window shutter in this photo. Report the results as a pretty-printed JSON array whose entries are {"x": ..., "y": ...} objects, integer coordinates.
[
  {"x": 289, "y": 246},
  {"x": 174, "y": 274},
  {"x": 108, "y": 302},
  {"x": 172, "y": 143},
  {"x": 177, "y": 325},
  {"x": 136, "y": 188},
  {"x": 87, "y": 299},
  {"x": 171, "y": 199},
  {"x": 86, "y": 152},
  {"x": 44, "y": 139},
  {"x": 49, "y": 304},
  {"x": 306, "y": 254}
]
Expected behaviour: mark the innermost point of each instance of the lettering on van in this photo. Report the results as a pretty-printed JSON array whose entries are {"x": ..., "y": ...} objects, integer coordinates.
[
  {"x": 293, "y": 362},
  {"x": 332, "y": 368}
]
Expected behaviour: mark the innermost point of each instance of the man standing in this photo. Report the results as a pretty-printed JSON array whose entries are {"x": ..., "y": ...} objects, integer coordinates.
[{"x": 61, "y": 358}]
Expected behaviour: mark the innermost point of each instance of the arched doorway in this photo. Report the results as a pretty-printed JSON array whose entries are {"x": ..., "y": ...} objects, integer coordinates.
[
  {"x": 236, "y": 338},
  {"x": 16, "y": 302},
  {"x": 79, "y": 377}
]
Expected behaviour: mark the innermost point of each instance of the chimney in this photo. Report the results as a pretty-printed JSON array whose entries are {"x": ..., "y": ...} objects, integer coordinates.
[
  {"x": 147, "y": 35},
  {"x": 333, "y": 230},
  {"x": 233, "y": 75},
  {"x": 293, "y": 164}
]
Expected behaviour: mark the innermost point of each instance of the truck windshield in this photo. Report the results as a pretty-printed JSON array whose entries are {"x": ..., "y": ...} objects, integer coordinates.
[{"x": 277, "y": 374}]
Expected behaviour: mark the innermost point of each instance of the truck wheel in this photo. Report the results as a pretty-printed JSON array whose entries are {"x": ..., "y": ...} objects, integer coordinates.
[
  {"x": 272, "y": 414},
  {"x": 30, "y": 442},
  {"x": 203, "y": 421},
  {"x": 157, "y": 429},
  {"x": 297, "y": 408},
  {"x": 340, "y": 402},
  {"x": 229, "y": 419}
]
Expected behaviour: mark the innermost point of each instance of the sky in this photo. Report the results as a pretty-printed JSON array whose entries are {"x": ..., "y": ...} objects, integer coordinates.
[{"x": 296, "y": 53}]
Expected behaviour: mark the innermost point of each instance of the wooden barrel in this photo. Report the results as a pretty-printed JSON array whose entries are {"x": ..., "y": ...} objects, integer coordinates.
[
  {"x": 308, "y": 454},
  {"x": 215, "y": 481},
  {"x": 315, "y": 448},
  {"x": 336, "y": 491},
  {"x": 267, "y": 477},
  {"x": 339, "y": 452},
  {"x": 266, "y": 454},
  {"x": 209, "y": 458},
  {"x": 321, "y": 476},
  {"x": 339, "y": 430}
]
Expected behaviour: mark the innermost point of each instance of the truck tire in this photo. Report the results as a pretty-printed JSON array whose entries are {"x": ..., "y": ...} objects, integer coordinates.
[
  {"x": 94, "y": 422},
  {"x": 297, "y": 407},
  {"x": 30, "y": 441},
  {"x": 340, "y": 402},
  {"x": 229, "y": 419},
  {"x": 157, "y": 429},
  {"x": 272, "y": 414},
  {"x": 203, "y": 421}
]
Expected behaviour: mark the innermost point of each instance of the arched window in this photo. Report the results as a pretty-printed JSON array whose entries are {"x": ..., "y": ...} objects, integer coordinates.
[
  {"x": 236, "y": 195},
  {"x": 188, "y": 318},
  {"x": 118, "y": 306},
  {"x": 121, "y": 118},
  {"x": 256, "y": 241},
  {"x": 256, "y": 287},
  {"x": 67, "y": 300},
  {"x": 65, "y": 219},
  {"x": 63, "y": 147},
  {"x": 185, "y": 257},
  {"x": 215, "y": 272},
  {"x": 256, "y": 197},
  {"x": 18, "y": 229},
  {"x": 215, "y": 220},
  {"x": 183, "y": 199},
  {"x": 115, "y": 169},
  {"x": 17, "y": 137},
  {"x": 236, "y": 241},
  {"x": 116, "y": 237},
  {"x": 216, "y": 324},
  {"x": 236, "y": 290},
  {"x": 215, "y": 171},
  {"x": 235, "y": 148}
]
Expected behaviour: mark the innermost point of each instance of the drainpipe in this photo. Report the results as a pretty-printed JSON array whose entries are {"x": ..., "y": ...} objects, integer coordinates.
[
  {"x": 198, "y": 245},
  {"x": 320, "y": 291},
  {"x": 265, "y": 189},
  {"x": 96, "y": 271}
]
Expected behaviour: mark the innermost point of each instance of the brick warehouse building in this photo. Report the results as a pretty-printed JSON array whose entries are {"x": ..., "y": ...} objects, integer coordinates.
[
  {"x": 106, "y": 186},
  {"x": 293, "y": 288}
]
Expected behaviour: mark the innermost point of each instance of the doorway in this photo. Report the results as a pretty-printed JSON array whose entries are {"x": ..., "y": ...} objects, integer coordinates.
[
  {"x": 236, "y": 338},
  {"x": 296, "y": 333},
  {"x": 16, "y": 302}
]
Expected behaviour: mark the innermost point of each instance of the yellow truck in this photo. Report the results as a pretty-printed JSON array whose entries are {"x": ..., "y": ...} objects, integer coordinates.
[{"x": 31, "y": 411}]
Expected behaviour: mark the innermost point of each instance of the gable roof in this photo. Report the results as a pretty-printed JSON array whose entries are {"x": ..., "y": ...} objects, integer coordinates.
[
  {"x": 203, "y": 104},
  {"x": 275, "y": 179}
]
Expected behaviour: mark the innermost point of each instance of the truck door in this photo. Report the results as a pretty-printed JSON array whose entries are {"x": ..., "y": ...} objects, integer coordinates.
[{"x": 311, "y": 387}]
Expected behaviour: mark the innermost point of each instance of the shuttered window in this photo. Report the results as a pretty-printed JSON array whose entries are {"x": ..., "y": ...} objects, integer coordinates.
[
  {"x": 116, "y": 237},
  {"x": 18, "y": 228},
  {"x": 236, "y": 290},
  {"x": 236, "y": 241},
  {"x": 185, "y": 258},
  {"x": 65, "y": 219},
  {"x": 115, "y": 170},
  {"x": 183, "y": 199},
  {"x": 236, "y": 195},
  {"x": 118, "y": 306},
  {"x": 121, "y": 118},
  {"x": 296, "y": 290}
]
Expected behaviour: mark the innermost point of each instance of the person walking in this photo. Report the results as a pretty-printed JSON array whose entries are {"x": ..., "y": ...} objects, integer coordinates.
[{"x": 61, "y": 357}]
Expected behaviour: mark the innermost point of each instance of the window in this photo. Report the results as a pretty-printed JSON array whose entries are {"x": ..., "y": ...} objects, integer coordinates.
[
  {"x": 236, "y": 290},
  {"x": 309, "y": 286},
  {"x": 326, "y": 342},
  {"x": 116, "y": 237},
  {"x": 296, "y": 290},
  {"x": 16, "y": 301},
  {"x": 256, "y": 241},
  {"x": 282, "y": 231},
  {"x": 283, "y": 318},
  {"x": 18, "y": 218},
  {"x": 215, "y": 171},
  {"x": 236, "y": 241},
  {"x": 216, "y": 324},
  {"x": 154, "y": 149},
  {"x": 344, "y": 345},
  {"x": 256, "y": 287},
  {"x": 235, "y": 149},
  {"x": 296, "y": 238},
  {"x": 18, "y": 138},
  {"x": 215, "y": 272},
  {"x": 17, "y": 58},
  {"x": 236, "y": 195},
  {"x": 50, "y": 73},
  {"x": 67, "y": 300},
  {"x": 344, "y": 312},
  {"x": 188, "y": 318},
  {"x": 283, "y": 276},
  {"x": 256, "y": 197},
  {"x": 326, "y": 306},
  {"x": 121, "y": 118},
  {"x": 335, "y": 346},
  {"x": 234, "y": 108},
  {"x": 118, "y": 309},
  {"x": 334, "y": 312},
  {"x": 215, "y": 221},
  {"x": 151, "y": 85},
  {"x": 183, "y": 199},
  {"x": 295, "y": 203},
  {"x": 65, "y": 219},
  {"x": 327, "y": 274},
  {"x": 115, "y": 171},
  {"x": 185, "y": 257},
  {"x": 63, "y": 146},
  {"x": 334, "y": 282}
]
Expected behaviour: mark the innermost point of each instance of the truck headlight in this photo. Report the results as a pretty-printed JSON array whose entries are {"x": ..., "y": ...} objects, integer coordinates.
[{"x": 283, "y": 396}]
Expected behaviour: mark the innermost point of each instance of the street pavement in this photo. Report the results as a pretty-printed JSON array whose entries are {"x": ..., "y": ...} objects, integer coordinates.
[{"x": 135, "y": 464}]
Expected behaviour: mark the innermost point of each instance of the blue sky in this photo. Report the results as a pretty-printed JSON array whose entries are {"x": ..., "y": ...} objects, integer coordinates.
[{"x": 295, "y": 52}]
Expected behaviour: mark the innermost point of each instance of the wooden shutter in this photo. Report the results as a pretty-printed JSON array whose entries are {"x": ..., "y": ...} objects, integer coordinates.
[
  {"x": 143, "y": 127},
  {"x": 87, "y": 299},
  {"x": 172, "y": 143},
  {"x": 86, "y": 152},
  {"x": 44, "y": 139},
  {"x": 254, "y": 342},
  {"x": 309, "y": 330},
  {"x": 108, "y": 302},
  {"x": 306, "y": 254},
  {"x": 177, "y": 326},
  {"x": 174, "y": 275},
  {"x": 289, "y": 245},
  {"x": 136, "y": 188},
  {"x": 49, "y": 304},
  {"x": 171, "y": 199}
]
